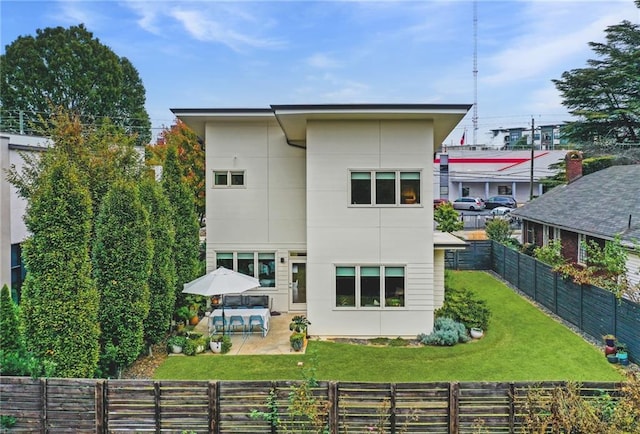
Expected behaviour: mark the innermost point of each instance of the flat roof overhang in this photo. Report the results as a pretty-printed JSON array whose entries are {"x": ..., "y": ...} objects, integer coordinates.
[
  {"x": 447, "y": 241},
  {"x": 293, "y": 118}
]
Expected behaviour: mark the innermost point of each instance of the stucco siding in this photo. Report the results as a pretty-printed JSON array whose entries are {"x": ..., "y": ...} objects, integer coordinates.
[
  {"x": 339, "y": 233},
  {"x": 268, "y": 214}
]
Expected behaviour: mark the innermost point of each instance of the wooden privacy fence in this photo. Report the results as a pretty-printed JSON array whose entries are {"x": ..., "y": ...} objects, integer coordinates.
[
  {"x": 593, "y": 310},
  {"x": 122, "y": 406}
]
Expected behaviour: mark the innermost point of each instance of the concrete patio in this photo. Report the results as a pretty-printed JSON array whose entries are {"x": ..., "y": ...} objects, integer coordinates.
[{"x": 276, "y": 341}]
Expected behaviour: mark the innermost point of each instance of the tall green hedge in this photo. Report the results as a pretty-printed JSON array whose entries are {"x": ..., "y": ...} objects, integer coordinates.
[
  {"x": 121, "y": 265},
  {"x": 59, "y": 298},
  {"x": 162, "y": 280},
  {"x": 185, "y": 221},
  {"x": 10, "y": 337}
]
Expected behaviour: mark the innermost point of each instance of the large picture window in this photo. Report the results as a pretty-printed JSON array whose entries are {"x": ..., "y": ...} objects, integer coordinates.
[
  {"x": 370, "y": 286},
  {"x": 385, "y": 187},
  {"x": 260, "y": 265}
]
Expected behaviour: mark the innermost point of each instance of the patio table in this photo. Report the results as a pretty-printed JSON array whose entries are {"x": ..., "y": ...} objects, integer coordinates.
[{"x": 245, "y": 314}]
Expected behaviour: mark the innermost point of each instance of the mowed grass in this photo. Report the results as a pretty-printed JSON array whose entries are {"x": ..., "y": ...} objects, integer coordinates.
[{"x": 522, "y": 344}]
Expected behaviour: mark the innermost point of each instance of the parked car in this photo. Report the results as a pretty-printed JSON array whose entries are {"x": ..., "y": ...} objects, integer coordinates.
[
  {"x": 438, "y": 202},
  {"x": 500, "y": 213},
  {"x": 469, "y": 203},
  {"x": 496, "y": 201}
]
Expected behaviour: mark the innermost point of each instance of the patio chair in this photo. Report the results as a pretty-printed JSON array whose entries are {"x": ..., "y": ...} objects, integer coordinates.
[
  {"x": 235, "y": 322},
  {"x": 217, "y": 324},
  {"x": 256, "y": 320}
]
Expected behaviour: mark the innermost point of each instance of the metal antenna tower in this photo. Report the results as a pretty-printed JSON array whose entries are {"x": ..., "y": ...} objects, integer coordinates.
[{"x": 475, "y": 73}]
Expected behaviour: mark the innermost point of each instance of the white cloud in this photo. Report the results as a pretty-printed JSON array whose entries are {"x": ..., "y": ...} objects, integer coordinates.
[
  {"x": 323, "y": 61},
  {"x": 554, "y": 36}
]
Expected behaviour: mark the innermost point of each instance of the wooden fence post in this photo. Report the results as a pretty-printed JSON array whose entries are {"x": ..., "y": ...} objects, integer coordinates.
[
  {"x": 454, "y": 407},
  {"x": 332, "y": 396},
  {"x": 43, "y": 404},
  {"x": 214, "y": 407},
  {"x": 156, "y": 404},
  {"x": 392, "y": 408},
  {"x": 512, "y": 408},
  {"x": 100, "y": 407}
]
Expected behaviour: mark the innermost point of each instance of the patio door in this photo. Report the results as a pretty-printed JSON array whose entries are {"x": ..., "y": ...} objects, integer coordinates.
[{"x": 297, "y": 284}]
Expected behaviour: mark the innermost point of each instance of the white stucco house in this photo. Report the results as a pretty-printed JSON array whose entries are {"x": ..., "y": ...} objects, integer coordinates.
[
  {"x": 13, "y": 230},
  {"x": 330, "y": 207}
]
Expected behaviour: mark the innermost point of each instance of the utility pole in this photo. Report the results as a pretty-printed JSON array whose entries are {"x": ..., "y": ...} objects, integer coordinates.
[
  {"x": 475, "y": 73},
  {"x": 533, "y": 147}
]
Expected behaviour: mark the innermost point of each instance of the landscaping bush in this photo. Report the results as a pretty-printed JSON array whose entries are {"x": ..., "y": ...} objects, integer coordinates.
[
  {"x": 446, "y": 332},
  {"x": 463, "y": 306}
]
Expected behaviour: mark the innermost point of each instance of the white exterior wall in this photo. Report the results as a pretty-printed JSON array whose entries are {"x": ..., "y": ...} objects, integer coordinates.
[
  {"x": 340, "y": 234},
  {"x": 5, "y": 215},
  {"x": 269, "y": 214}
]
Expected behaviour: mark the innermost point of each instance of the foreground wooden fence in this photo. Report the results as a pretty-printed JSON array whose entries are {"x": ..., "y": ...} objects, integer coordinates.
[{"x": 100, "y": 406}]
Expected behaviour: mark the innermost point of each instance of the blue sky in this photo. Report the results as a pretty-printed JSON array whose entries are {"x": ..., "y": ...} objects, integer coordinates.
[{"x": 205, "y": 54}]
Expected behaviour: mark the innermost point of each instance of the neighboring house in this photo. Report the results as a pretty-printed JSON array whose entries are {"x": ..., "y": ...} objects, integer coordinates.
[
  {"x": 490, "y": 173},
  {"x": 330, "y": 207},
  {"x": 598, "y": 206},
  {"x": 13, "y": 230}
]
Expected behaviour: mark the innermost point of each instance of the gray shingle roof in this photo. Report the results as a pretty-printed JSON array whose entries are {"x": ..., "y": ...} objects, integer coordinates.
[{"x": 602, "y": 204}]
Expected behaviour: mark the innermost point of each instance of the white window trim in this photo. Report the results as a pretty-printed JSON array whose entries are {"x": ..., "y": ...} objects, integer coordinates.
[
  {"x": 358, "y": 288},
  {"x": 398, "y": 192},
  {"x": 255, "y": 264},
  {"x": 229, "y": 173},
  {"x": 582, "y": 250}
]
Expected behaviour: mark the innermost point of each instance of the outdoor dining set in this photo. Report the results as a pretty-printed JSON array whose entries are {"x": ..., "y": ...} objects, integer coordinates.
[
  {"x": 241, "y": 314},
  {"x": 238, "y": 312}
]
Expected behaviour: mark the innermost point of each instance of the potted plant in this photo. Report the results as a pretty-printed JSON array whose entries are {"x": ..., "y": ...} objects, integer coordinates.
[
  {"x": 299, "y": 324},
  {"x": 297, "y": 340},
  {"x": 476, "y": 332},
  {"x": 215, "y": 343},
  {"x": 176, "y": 344},
  {"x": 622, "y": 353},
  {"x": 194, "y": 308},
  {"x": 609, "y": 340},
  {"x": 183, "y": 314}
]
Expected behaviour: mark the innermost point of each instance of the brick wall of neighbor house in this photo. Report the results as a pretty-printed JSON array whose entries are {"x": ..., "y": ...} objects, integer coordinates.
[
  {"x": 569, "y": 245},
  {"x": 532, "y": 233}
]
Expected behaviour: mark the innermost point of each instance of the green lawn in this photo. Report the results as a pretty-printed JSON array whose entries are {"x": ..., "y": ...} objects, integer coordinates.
[{"x": 522, "y": 344}]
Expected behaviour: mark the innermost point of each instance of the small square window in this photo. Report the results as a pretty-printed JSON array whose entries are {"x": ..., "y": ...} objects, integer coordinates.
[{"x": 228, "y": 178}]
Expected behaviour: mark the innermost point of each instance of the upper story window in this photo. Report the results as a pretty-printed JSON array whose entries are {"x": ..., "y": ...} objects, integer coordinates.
[
  {"x": 228, "y": 178},
  {"x": 385, "y": 187}
]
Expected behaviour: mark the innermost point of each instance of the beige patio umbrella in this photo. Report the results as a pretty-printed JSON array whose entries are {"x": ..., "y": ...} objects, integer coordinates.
[{"x": 221, "y": 281}]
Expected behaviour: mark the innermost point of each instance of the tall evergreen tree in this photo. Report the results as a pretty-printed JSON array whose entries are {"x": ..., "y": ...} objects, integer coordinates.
[
  {"x": 605, "y": 95},
  {"x": 59, "y": 298},
  {"x": 10, "y": 336},
  {"x": 162, "y": 280},
  {"x": 185, "y": 222},
  {"x": 121, "y": 265}
]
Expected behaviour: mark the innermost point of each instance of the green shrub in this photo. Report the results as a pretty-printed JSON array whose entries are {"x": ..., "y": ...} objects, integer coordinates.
[
  {"x": 463, "y": 306},
  {"x": 498, "y": 230},
  {"x": 24, "y": 363},
  {"x": 446, "y": 332}
]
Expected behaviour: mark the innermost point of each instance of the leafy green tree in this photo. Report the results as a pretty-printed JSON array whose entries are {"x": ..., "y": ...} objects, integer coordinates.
[
  {"x": 103, "y": 154},
  {"x": 69, "y": 68},
  {"x": 185, "y": 222},
  {"x": 59, "y": 299},
  {"x": 10, "y": 336},
  {"x": 121, "y": 266},
  {"x": 190, "y": 157},
  {"x": 162, "y": 280},
  {"x": 499, "y": 230},
  {"x": 447, "y": 218},
  {"x": 589, "y": 165},
  {"x": 605, "y": 95}
]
